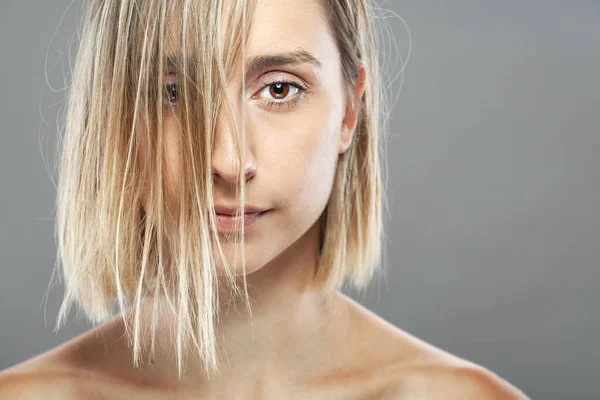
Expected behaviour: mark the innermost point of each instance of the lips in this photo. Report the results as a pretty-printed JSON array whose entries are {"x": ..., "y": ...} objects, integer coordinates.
[
  {"x": 230, "y": 210},
  {"x": 229, "y": 223}
]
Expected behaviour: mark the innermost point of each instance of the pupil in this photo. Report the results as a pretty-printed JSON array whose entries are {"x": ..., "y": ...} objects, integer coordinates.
[{"x": 278, "y": 88}]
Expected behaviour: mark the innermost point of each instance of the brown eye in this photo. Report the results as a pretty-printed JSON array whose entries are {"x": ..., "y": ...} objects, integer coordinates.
[
  {"x": 281, "y": 94},
  {"x": 279, "y": 90}
]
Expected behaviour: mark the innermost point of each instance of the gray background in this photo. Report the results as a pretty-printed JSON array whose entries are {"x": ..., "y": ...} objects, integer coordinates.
[{"x": 494, "y": 241}]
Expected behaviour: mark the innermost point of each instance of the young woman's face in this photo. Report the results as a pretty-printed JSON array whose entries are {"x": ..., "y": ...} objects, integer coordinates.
[{"x": 295, "y": 128}]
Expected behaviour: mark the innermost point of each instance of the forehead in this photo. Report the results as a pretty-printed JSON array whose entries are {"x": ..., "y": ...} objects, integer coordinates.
[
  {"x": 274, "y": 27},
  {"x": 279, "y": 25}
]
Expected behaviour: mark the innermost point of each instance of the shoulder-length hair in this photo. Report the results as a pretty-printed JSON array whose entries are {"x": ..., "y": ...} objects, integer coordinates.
[{"x": 114, "y": 251}]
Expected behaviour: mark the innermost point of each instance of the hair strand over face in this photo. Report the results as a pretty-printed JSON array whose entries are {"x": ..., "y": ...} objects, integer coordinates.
[{"x": 116, "y": 251}]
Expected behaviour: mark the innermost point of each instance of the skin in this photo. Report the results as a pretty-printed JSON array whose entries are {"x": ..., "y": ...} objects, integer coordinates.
[{"x": 300, "y": 344}]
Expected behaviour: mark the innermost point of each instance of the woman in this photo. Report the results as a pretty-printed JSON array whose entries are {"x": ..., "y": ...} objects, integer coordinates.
[{"x": 220, "y": 181}]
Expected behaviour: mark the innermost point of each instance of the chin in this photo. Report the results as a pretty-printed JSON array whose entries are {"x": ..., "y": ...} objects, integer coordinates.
[{"x": 252, "y": 265}]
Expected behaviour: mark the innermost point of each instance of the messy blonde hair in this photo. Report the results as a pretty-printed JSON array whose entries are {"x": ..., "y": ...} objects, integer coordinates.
[{"x": 114, "y": 251}]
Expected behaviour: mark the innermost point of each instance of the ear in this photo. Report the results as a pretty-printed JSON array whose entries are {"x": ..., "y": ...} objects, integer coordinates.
[{"x": 352, "y": 112}]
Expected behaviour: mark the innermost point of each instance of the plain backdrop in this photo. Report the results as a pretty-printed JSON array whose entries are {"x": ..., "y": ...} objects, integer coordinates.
[{"x": 493, "y": 242}]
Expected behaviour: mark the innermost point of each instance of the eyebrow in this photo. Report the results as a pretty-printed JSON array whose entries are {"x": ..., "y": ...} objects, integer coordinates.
[
  {"x": 266, "y": 61},
  {"x": 259, "y": 63}
]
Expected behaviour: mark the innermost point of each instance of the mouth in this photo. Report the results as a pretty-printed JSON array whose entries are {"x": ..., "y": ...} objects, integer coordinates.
[{"x": 228, "y": 222}]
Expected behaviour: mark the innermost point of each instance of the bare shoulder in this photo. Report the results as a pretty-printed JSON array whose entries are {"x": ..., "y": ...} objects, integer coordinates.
[
  {"x": 443, "y": 381},
  {"x": 72, "y": 370},
  {"x": 44, "y": 377},
  {"x": 410, "y": 368}
]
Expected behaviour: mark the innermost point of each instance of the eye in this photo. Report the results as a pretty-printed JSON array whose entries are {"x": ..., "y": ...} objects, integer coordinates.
[
  {"x": 282, "y": 94},
  {"x": 171, "y": 94},
  {"x": 280, "y": 90}
]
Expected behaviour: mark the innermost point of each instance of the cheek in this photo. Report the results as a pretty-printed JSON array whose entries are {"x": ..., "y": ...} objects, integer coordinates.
[
  {"x": 320, "y": 155},
  {"x": 302, "y": 156},
  {"x": 171, "y": 155},
  {"x": 172, "y": 150}
]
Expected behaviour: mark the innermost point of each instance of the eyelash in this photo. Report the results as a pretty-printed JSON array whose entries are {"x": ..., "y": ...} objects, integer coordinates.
[{"x": 269, "y": 104}]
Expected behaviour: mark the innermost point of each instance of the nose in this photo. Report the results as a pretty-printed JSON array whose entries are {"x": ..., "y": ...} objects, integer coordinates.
[{"x": 225, "y": 164}]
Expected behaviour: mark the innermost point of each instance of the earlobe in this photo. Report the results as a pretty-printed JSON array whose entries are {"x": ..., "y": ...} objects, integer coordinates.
[
  {"x": 345, "y": 139},
  {"x": 352, "y": 112}
]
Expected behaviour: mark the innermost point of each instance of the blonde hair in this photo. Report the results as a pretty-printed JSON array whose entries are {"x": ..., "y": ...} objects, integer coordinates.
[{"x": 114, "y": 251}]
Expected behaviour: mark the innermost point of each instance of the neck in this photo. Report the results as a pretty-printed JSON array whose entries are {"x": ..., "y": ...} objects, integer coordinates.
[{"x": 290, "y": 332}]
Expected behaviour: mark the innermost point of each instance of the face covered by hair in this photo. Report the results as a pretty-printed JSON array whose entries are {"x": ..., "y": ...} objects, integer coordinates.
[{"x": 295, "y": 129}]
